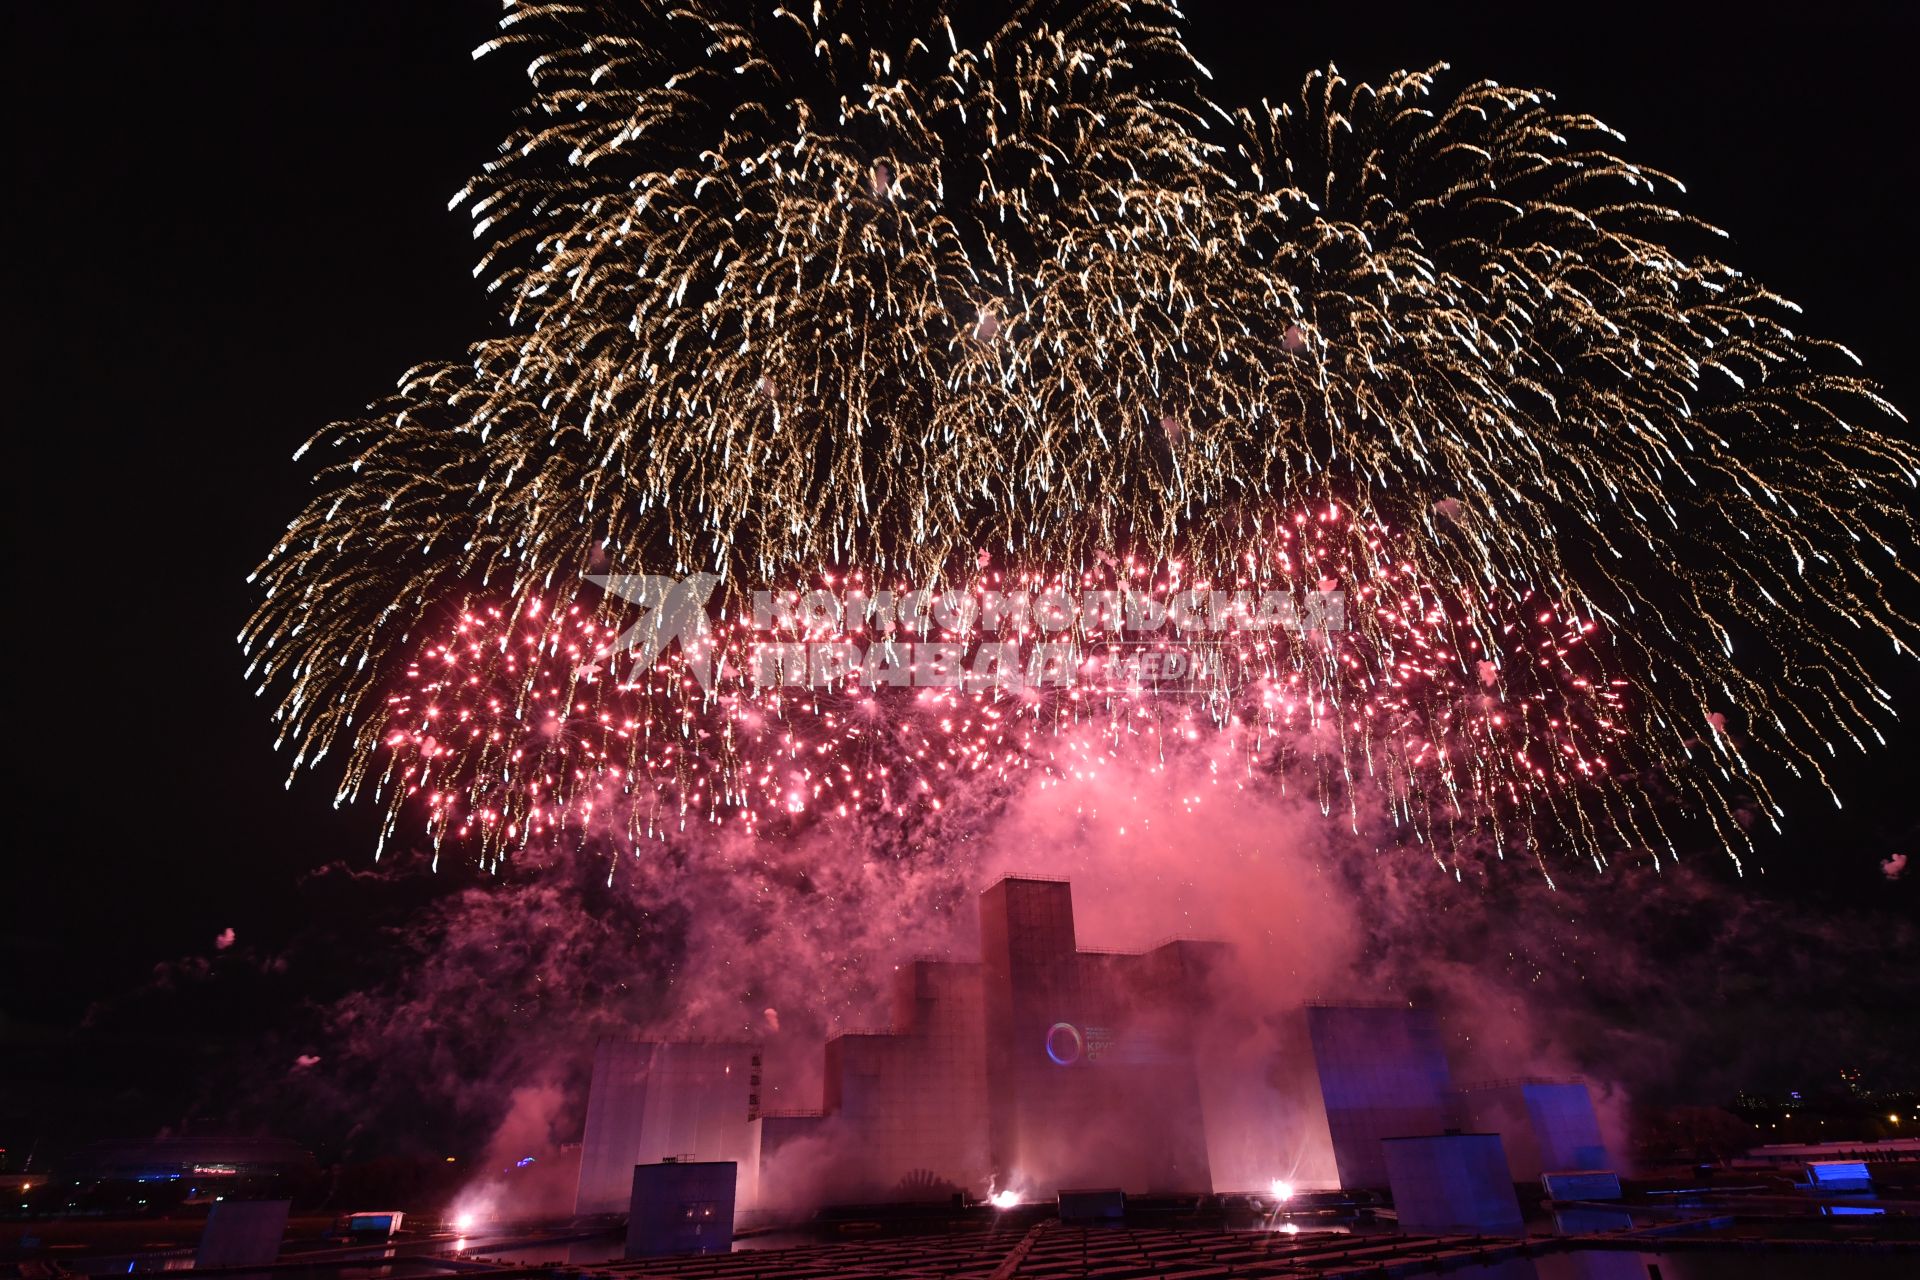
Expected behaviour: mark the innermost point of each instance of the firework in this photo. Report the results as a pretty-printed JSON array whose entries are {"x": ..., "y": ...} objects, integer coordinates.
[
  {"x": 515, "y": 725},
  {"x": 902, "y": 288}
]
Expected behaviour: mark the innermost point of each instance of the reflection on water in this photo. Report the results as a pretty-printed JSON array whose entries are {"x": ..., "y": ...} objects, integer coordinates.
[
  {"x": 1608, "y": 1264},
  {"x": 1588, "y": 1221},
  {"x": 1669, "y": 1257},
  {"x": 607, "y": 1248}
]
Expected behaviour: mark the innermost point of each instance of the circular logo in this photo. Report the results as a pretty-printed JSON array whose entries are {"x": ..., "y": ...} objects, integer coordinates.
[{"x": 1064, "y": 1044}]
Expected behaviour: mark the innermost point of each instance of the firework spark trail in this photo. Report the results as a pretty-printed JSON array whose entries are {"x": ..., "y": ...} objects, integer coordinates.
[
  {"x": 513, "y": 726},
  {"x": 889, "y": 286}
]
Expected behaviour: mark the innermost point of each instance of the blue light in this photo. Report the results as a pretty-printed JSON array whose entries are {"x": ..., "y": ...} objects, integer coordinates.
[{"x": 1830, "y": 1172}]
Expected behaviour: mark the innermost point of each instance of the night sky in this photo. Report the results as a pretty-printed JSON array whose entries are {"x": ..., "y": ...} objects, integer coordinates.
[{"x": 232, "y": 221}]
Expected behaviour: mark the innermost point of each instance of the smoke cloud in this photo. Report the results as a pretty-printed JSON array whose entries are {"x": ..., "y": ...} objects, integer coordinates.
[{"x": 455, "y": 1013}]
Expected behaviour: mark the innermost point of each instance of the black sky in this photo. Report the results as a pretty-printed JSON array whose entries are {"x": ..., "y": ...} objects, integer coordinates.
[{"x": 230, "y": 227}]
